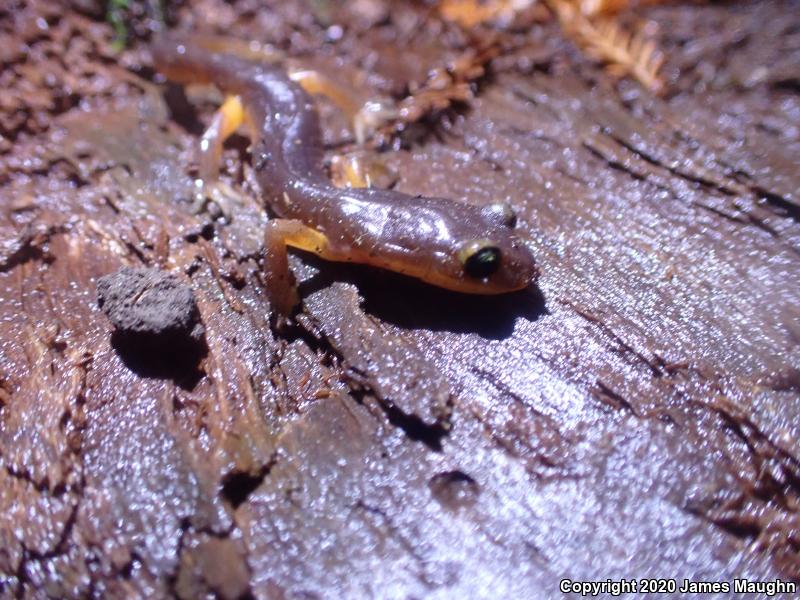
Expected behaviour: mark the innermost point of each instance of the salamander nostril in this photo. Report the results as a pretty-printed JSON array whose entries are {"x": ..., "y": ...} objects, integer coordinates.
[{"x": 501, "y": 213}]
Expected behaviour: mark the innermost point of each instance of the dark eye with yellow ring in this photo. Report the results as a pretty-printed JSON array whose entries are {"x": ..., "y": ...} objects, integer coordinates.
[{"x": 480, "y": 258}]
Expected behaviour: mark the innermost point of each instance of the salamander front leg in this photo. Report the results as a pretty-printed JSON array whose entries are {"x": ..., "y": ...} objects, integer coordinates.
[
  {"x": 281, "y": 284},
  {"x": 228, "y": 118}
]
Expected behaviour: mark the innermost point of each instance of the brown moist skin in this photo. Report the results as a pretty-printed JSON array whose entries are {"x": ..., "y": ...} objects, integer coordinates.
[{"x": 450, "y": 244}]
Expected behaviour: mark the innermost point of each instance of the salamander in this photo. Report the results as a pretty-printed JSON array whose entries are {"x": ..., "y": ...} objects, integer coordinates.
[{"x": 447, "y": 243}]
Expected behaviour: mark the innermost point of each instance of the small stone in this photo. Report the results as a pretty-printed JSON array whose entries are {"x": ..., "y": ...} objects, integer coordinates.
[{"x": 150, "y": 304}]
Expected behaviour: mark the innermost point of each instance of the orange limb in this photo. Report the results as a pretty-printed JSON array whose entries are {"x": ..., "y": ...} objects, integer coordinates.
[
  {"x": 349, "y": 171},
  {"x": 365, "y": 118},
  {"x": 359, "y": 171},
  {"x": 317, "y": 84},
  {"x": 280, "y": 283},
  {"x": 226, "y": 121},
  {"x": 230, "y": 116}
]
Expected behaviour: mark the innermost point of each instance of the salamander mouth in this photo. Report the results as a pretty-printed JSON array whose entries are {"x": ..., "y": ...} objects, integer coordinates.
[
  {"x": 470, "y": 285},
  {"x": 441, "y": 271}
]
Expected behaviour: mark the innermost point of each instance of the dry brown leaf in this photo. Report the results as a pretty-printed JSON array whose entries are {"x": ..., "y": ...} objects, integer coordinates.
[
  {"x": 602, "y": 39},
  {"x": 593, "y": 8},
  {"x": 469, "y": 13}
]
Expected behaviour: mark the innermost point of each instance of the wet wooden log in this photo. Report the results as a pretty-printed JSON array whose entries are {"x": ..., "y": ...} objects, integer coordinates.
[{"x": 634, "y": 415}]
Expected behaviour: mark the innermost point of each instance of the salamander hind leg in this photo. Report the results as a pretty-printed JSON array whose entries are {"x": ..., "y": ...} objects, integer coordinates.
[
  {"x": 358, "y": 170},
  {"x": 315, "y": 83},
  {"x": 364, "y": 118}
]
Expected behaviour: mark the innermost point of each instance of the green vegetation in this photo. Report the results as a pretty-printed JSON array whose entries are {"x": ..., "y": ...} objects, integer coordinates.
[
  {"x": 121, "y": 15},
  {"x": 115, "y": 15}
]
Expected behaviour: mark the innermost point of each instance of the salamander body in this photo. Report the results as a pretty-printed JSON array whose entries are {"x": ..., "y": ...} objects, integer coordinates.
[{"x": 451, "y": 244}]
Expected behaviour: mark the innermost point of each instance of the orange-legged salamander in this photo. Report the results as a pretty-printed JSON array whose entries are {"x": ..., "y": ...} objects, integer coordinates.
[{"x": 449, "y": 244}]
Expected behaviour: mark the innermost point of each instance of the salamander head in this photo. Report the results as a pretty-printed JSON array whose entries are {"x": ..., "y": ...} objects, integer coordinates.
[{"x": 485, "y": 254}]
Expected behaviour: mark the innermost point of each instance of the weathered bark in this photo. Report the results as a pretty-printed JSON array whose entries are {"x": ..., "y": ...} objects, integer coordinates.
[{"x": 636, "y": 415}]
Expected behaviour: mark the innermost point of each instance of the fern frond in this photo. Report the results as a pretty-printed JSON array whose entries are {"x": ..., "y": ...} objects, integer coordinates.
[{"x": 606, "y": 42}]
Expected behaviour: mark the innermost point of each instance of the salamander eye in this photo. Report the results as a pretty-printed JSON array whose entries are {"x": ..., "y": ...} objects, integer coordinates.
[
  {"x": 480, "y": 258},
  {"x": 501, "y": 213}
]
